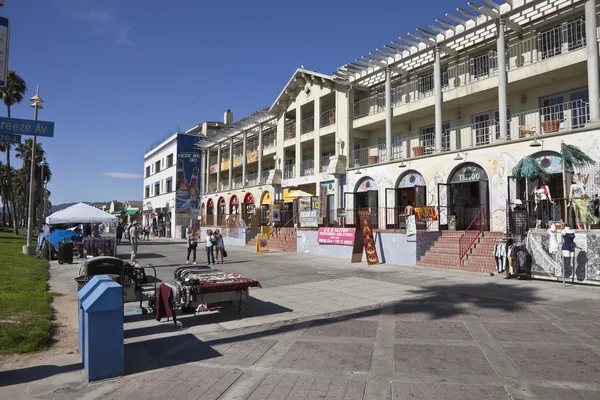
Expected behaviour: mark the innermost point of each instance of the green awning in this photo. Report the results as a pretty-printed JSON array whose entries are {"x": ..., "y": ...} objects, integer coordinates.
[
  {"x": 129, "y": 213},
  {"x": 116, "y": 212}
]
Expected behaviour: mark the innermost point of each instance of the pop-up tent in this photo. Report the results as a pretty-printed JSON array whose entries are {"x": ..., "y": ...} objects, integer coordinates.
[{"x": 80, "y": 213}]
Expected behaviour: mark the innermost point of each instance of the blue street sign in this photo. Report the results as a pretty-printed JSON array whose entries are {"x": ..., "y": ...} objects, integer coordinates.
[
  {"x": 16, "y": 126},
  {"x": 8, "y": 138}
]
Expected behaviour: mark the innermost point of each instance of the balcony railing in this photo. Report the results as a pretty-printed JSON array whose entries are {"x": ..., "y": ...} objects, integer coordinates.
[
  {"x": 224, "y": 186},
  {"x": 327, "y": 117},
  {"x": 289, "y": 171},
  {"x": 252, "y": 179},
  {"x": 307, "y": 168},
  {"x": 324, "y": 163},
  {"x": 371, "y": 105},
  {"x": 369, "y": 155},
  {"x": 290, "y": 131},
  {"x": 264, "y": 176},
  {"x": 238, "y": 182},
  {"x": 269, "y": 143},
  {"x": 307, "y": 125}
]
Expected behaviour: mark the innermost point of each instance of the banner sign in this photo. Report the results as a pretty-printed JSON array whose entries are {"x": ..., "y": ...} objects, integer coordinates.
[
  {"x": 339, "y": 236},
  {"x": 425, "y": 212},
  {"x": 262, "y": 244},
  {"x": 368, "y": 238},
  {"x": 187, "y": 187},
  {"x": 411, "y": 226},
  {"x": 4, "y": 41},
  {"x": 8, "y": 138},
  {"x": 309, "y": 219},
  {"x": 322, "y": 202},
  {"x": 29, "y": 127}
]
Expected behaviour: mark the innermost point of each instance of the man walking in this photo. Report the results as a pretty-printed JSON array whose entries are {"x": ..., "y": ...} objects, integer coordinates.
[{"x": 134, "y": 238}]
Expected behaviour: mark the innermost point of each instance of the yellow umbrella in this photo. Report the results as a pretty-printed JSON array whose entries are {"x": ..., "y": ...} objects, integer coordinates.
[{"x": 296, "y": 194}]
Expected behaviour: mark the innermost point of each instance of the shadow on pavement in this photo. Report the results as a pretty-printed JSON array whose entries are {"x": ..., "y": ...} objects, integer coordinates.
[{"x": 31, "y": 374}]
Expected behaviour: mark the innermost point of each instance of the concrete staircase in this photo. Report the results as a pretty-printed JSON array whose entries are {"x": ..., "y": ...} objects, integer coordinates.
[
  {"x": 283, "y": 240},
  {"x": 444, "y": 253}
]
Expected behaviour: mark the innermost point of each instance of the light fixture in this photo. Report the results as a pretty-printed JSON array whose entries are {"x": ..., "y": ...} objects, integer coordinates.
[
  {"x": 358, "y": 172},
  {"x": 260, "y": 188},
  {"x": 402, "y": 165},
  {"x": 243, "y": 190},
  {"x": 536, "y": 142},
  {"x": 459, "y": 157},
  {"x": 228, "y": 193}
]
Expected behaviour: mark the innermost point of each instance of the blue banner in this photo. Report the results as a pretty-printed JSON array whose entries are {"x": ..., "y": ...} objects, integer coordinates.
[
  {"x": 17, "y": 126},
  {"x": 187, "y": 186}
]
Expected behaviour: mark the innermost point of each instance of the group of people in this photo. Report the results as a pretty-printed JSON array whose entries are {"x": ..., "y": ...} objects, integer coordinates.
[
  {"x": 94, "y": 230},
  {"x": 214, "y": 244}
]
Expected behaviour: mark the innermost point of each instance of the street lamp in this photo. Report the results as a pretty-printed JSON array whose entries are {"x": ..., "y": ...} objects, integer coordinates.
[
  {"x": 36, "y": 105},
  {"x": 44, "y": 181}
]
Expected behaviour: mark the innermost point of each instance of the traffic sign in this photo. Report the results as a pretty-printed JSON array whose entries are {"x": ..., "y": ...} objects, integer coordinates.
[
  {"x": 17, "y": 126},
  {"x": 8, "y": 138},
  {"x": 4, "y": 31}
]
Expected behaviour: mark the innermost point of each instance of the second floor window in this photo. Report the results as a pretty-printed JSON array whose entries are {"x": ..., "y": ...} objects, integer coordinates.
[
  {"x": 426, "y": 85},
  {"x": 147, "y": 192},
  {"x": 169, "y": 186},
  {"x": 157, "y": 167},
  {"x": 156, "y": 189},
  {"x": 169, "y": 160},
  {"x": 483, "y": 65},
  {"x": 147, "y": 171}
]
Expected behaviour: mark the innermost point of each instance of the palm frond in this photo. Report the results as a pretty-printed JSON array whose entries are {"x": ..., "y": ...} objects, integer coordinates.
[
  {"x": 573, "y": 157},
  {"x": 529, "y": 168}
]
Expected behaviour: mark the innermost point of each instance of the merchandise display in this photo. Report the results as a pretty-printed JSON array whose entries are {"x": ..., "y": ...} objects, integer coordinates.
[{"x": 100, "y": 246}]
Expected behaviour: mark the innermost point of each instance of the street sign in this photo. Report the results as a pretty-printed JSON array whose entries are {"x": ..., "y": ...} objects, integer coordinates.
[
  {"x": 4, "y": 30},
  {"x": 17, "y": 126},
  {"x": 8, "y": 138}
]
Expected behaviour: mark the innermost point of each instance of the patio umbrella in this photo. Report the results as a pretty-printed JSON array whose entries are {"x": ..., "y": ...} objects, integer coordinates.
[{"x": 297, "y": 194}]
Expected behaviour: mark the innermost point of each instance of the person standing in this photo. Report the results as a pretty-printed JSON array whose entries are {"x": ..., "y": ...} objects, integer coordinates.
[
  {"x": 219, "y": 245},
  {"x": 134, "y": 238},
  {"x": 119, "y": 233},
  {"x": 210, "y": 244},
  {"x": 147, "y": 232},
  {"x": 192, "y": 242}
]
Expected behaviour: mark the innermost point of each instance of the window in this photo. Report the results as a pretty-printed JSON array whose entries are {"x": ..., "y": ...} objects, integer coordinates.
[
  {"x": 382, "y": 150},
  {"x": 481, "y": 126},
  {"x": 427, "y": 139},
  {"x": 328, "y": 153},
  {"x": 147, "y": 192},
  {"x": 157, "y": 167},
  {"x": 445, "y": 80},
  {"x": 356, "y": 153},
  {"x": 169, "y": 185},
  {"x": 157, "y": 188},
  {"x": 446, "y": 136},
  {"x": 559, "y": 107},
  {"x": 497, "y": 119},
  {"x": 425, "y": 85},
  {"x": 147, "y": 171},
  {"x": 484, "y": 65},
  {"x": 396, "y": 146},
  {"x": 169, "y": 160}
]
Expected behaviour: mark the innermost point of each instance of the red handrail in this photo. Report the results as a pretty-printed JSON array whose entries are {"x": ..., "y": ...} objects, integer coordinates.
[
  {"x": 471, "y": 234},
  {"x": 428, "y": 226}
]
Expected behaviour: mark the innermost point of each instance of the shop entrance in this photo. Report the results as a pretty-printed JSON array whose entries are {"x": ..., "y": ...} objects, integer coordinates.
[
  {"x": 365, "y": 197},
  {"x": 461, "y": 199}
]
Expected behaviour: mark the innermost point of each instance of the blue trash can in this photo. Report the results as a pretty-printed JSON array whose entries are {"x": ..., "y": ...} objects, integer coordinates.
[{"x": 103, "y": 349}]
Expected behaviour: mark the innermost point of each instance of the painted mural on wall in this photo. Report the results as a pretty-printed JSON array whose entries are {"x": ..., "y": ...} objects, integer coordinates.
[
  {"x": 411, "y": 179},
  {"x": 366, "y": 185},
  {"x": 187, "y": 187}
]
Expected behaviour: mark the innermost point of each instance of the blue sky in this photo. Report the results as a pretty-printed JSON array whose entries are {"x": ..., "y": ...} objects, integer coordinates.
[{"x": 117, "y": 76}]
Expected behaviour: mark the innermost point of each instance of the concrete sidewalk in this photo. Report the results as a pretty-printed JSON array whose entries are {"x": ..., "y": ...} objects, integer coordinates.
[{"x": 324, "y": 328}]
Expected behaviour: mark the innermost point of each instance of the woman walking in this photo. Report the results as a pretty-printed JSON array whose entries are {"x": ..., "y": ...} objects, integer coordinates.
[
  {"x": 210, "y": 244},
  {"x": 192, "y": 242},
  {"x": 219, "y": 245}
]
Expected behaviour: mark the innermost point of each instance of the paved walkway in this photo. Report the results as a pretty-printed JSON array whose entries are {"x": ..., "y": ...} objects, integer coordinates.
[{"x": 325, "y": 329}]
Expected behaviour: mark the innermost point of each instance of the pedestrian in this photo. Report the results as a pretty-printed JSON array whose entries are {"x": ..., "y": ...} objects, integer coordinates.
[
  {"x": 219, "y": 245},
  {"x": 147, "y": 232},
  {"x": 134, "y": 239},
  {"x": 120, "y": 231},
  {"x": 192, "y": 241},
  {"x": 95, "y": 231},
  {"x": 210, "y": 244}
]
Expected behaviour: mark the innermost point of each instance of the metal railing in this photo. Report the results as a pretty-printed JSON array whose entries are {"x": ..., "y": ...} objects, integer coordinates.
[
  {"x": 307, "y": 168},
  {"x": 327, "y": 117},
  {"x": 371, "y": 105},
  {"x": 252, "y": 179},
  {"x": 471, "y": 234},
  {"x": 426, "y": 141},
  {"x": 269, "y": 142},
  {"x": 307, "y": 125},
  {"x": 324, "y": 164},
  {"x": 264, "y": 176},
  {"x": 369, "y": 155},
  {"x": 238, "y": 183},
  {"x": 289, "y": 171},
  {"x": 557, "y": 117},
  {"x": 290, "y": 131},
  {"x": 425, "y": 84},
  {"x": 224, "y": 186}
]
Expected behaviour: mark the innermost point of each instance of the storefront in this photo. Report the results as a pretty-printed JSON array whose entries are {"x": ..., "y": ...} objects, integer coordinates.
[
  {"x": 365, "y": 195},
  {"x": 234, "y": 205},
  {"x": 266, "y": 202},
  {"x": 327, "y": 203},
  {"x": 220, "y": 210},
  {"x": 248, "y": 209}
]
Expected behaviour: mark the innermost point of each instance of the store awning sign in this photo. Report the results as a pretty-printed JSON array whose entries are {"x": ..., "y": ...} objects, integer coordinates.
[
  {"x": 17, "y": 126},
  {"x": 8, "y": 138}
]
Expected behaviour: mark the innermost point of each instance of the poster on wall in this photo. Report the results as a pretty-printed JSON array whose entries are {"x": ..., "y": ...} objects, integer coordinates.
[
  {"x": 187, "y": 187},
  {"x": 368, "y": 238},
  {"x": 411, "y": 226},
  {"x": 339, "y": 236},
  {"x": 309, "y": 219}
]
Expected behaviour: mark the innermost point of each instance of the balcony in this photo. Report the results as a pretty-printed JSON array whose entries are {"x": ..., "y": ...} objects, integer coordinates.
[
  {"x": 327, "y": 118},
  {"x": 224, "y": 186},
  {"x": 238, "y": 183},
  {"x": 269, "y": 143},
  {"x": 289, "y": 171},
  {"x": 213, "y": 165},
  {"x": 307, "y": 125},
  {"x": 252, "y": 179},
  {"x": 252, "y": 151},
  {"x": 264, "y": 176},
  {"x": 324, "y": 163},
  {"x": 307, "y": 168},
  {"x": 371, "y": 105},
  {"x": 290, "y": 131}
]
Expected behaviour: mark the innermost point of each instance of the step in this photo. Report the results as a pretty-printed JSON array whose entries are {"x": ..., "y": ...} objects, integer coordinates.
[{"x": 481, "y": 258}]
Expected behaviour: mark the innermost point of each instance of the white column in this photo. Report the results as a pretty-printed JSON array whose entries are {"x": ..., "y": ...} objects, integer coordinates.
[
  {"x": 203, "y": 163},
  {"x": 298, "y": 162},
  {"x": 388, "y": 113},
  {"x": 592, "y": 60},
  {"x": 317, "y": 134},
  {"x": 219, "y": 167},
  {"x": 317, "y": 156},
  {"x": 260, "y": 151},
  {"x": 437, "y": 87},
  {"x": 207, "y": 170},
  {"x": 230, "y": 163},
  {"x": 502, "y": 82},
  {"x": 244, "y": 157}
]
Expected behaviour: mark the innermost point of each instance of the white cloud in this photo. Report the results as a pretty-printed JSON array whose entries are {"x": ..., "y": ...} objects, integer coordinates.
[
  {"x": 123, "y": 39},
  {"x": 104, "y": 22},
  {"x": 123, "y": 175}
]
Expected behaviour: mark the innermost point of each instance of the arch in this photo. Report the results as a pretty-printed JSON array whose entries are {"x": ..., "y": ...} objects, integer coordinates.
[
  {"x": 550, "y": 161},
  {"x": 234, "y": 205},
  {"x": 266, "y": 198},
  {"x": 366, "y": 184},
  {"x": 468, "y": 172},
  {"x": 410, "y": 178},
  {"x": 249, "y": 198},
  {"x": 209, "y": 203}
]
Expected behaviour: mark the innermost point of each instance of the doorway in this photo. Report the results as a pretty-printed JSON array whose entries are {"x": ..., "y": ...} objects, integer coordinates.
[{"x": 467, "y": 194}]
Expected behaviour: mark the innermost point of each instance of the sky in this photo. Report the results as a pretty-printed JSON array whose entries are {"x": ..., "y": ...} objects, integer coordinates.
[{"x": 117, "y": 76}]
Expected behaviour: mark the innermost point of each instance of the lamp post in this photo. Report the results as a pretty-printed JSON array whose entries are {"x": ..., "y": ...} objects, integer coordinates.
[
  {"x": 43, "y": 165},
  {"x": 36, "y": 105}
]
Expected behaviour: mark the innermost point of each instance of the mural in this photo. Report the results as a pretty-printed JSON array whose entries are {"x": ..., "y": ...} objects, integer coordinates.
[
  {"x": 411, "y": 179},
  {"x": 366, "y": 185},
  {"x": 550, "y": 161}
]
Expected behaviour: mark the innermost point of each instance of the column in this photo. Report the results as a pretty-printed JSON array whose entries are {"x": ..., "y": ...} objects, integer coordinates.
[
  {"x": 298, "y": 162},
  {"x": 207, "y": 170},
  {"x": 388, "y": 114},
  {"x": 202, "y": 170},
  {"x": 230, "y": 163},
  {"x": 317, "y": 135},
  {"x": 317, "y": 156},
  {"x": 592, "y": 60},
  {"x": 219, "y": 167},
  {"x": 437, "y": 87},
  {"x": 502, "y": 82},
  {"x": 244, "y": 157},
  {"x": 260, "y": 151}
]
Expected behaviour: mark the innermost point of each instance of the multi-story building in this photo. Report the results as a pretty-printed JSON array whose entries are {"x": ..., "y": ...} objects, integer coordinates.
[{"x": 171, "y": 179}]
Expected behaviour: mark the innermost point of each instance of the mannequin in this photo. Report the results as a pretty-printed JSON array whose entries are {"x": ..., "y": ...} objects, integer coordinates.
[
  {"x": 552, "y": 240},
  {"x": 578, "y": 199},
  {"x": 542, "y": 195},
  {"x": 568, "y": 249}
]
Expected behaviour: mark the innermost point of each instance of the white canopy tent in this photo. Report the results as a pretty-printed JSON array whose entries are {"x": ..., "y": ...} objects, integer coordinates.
[{"x": 80, "y": 213}]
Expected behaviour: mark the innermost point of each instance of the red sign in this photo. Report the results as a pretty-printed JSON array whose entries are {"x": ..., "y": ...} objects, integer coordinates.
[
  {"x": 368, "y": 238},
  {"x": 339, "y": 236}
]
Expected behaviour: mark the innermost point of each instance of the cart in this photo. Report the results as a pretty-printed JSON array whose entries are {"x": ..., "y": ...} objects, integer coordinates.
[{"x": 138, "y": 288}]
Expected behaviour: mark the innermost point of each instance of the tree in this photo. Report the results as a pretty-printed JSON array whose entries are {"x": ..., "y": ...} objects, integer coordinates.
[
  {"x": 12, "y": 94},
  {"x": 23, "y": 151}
]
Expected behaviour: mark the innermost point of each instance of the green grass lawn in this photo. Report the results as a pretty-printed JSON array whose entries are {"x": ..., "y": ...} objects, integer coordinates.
[{"x": 25, "y": 311}]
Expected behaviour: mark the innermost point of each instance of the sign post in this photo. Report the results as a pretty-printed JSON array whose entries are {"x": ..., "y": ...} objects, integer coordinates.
[{"x": 4, "y": 40}]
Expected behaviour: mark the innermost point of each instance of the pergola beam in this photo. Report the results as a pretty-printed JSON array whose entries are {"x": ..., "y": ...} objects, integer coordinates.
[
  {"x": 493, "y": 5},
  {"x": 392, "y": 49},
  {"x": 494, "y": 14},
  {"x": 446, "y": 24},
  {"x": 386, "y": 52},
  {"x": 467, "y": 14},
  {"x": 401, "y": 45},
  {"x": 457, "y": 20},
  {"x": 437, "y": 29},
  {"x": 427, "y": 33}
]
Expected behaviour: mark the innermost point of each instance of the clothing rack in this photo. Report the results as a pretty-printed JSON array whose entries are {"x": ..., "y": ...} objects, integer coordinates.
[
  {"x": 95, "y": 246},
  {"x": 501, "y": 253}
]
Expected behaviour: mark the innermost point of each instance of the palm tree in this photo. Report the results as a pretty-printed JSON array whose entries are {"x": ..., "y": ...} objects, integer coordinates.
[
  {"x": 12, "y": 94},
  {"x": 5, "y": 175},
  {"x": 23, "y": 151}
]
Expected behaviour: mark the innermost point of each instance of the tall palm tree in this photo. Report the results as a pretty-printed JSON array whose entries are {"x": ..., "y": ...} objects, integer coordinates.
[
  {"x": 5, "y": 175},
  {"x": 23, "y": 151},
  {"x": 12, "y": 94}
]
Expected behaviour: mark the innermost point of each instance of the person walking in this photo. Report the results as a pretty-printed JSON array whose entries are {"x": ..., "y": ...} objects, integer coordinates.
[
  {"x": 147, "y": 232},
  {"x": 134, "y": 239},
  {"x": 192, "y": 241},
  {"x": 120, "y": 231},
  {"x": 210, "y": 244},
  {"x": 219, "y": 245}
]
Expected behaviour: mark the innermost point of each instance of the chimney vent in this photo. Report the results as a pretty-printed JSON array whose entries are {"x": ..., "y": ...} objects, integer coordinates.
[{"x": 228, "y": 118}]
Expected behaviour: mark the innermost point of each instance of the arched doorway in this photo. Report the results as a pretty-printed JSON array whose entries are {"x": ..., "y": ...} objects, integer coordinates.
[
  {"x": 410, "y": 190},
  {"x": 466, "y": 192},
  {"x": 248, "y": 208},
  {"x": 220, "y": 211},
  {"x": 366, "y": 195},
  {"x": 210, "y": 213},
  {"x": 266, "y": 202},
  {"x": 234, "y": 205}
]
